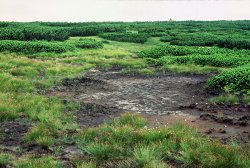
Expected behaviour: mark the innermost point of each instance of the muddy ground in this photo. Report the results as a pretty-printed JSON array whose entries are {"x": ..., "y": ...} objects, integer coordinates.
[{"x": 162, "y": 99}]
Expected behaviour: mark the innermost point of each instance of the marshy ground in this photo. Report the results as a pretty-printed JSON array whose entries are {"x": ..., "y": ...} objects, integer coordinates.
[
  {"x": 145, "y": 96},
  {"x": 164, "y": 99}
]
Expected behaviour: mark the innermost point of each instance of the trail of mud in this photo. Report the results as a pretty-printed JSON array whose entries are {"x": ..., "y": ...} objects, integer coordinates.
[{"x": 164, "y": 100}]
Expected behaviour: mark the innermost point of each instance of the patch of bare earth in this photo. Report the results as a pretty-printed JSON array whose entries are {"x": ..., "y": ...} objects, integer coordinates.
[{"x": 162, "y": 99}]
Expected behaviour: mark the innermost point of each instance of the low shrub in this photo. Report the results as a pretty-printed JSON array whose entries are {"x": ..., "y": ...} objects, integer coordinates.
[
  {"x": 235, "y": 79},
  {"x": 125, "y": 37},
  {"x": 217, "y": 60},
  {"x": 34, "y": 33},
  {"x": 234, "y": 43},
  {"x": 88, "y": 43},
  {"x": 30, "y": 47},
  {"x": 166, "y": 39},
  {"x": 194, "y": 39},
  {"x": 157, "y": 52}
]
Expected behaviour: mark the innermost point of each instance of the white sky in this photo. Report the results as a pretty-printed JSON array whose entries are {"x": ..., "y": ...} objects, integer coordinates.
[{"x": 123, "y": 10}]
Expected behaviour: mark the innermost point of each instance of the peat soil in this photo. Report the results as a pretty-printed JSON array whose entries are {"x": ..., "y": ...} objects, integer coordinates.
[{"x": 164, "y": 99}]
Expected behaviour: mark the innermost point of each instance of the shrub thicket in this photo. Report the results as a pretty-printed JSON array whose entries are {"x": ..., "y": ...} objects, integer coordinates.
[
  {"x": 125, "y": 37},
  {"x": 34, "y": 33},
  {"x": 34, "y": 46},
  {"x": 194, "y": 39},
  {"x": 232, "y": 43},
  {"x": 164, "y": 50},
  {"x": 236, "y": 79},
  {"x": 88, "y": 43},
  {"x": 92, "y": 30},
  {"x": 217, "y": 60}
]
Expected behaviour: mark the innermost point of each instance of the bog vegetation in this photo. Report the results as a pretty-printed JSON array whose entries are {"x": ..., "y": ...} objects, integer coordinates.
[{"x": 36, "y": 56}]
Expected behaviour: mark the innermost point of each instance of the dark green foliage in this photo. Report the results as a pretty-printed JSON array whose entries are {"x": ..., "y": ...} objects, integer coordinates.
[
  {"x": 157, "y": 52},
  {"x": 166, "y": 39},
  {"x": 217, "y": 60},
  {"x": 236, "y": 79},
  {"x": 231, "y": 44},
  {"x": 11, "y": 34},
  {"x": 84, "y": 31},
  {"x": 92, "y": 30},
  {"x": 88, "y": 43},
  {"x": 45, "y": 33},
  {"x": 34, "y": 46},
  {"x": 126, "y": 37},
  {"x": 33, "y": 33},
  {"x": 168, "y": 50},
  {"x": 4, "y": 24},
  {"x": 194, "y": 39}
]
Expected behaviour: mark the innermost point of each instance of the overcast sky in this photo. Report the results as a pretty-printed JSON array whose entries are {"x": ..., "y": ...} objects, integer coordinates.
[{"x": 123, "y": 10}]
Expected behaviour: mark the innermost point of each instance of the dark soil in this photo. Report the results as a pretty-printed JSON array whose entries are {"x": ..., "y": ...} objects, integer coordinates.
[
  {"x": 164, "y": 99},
  {"x": 91, "y": 114},
  {"x": 12, "y": 135},
  {"x": 12, "y": 132}
]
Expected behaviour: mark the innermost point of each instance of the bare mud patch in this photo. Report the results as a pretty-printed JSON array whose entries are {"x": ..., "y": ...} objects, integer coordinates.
[
  {"x": 91, "y": 114},
  {"x": 164, "y": 99}
]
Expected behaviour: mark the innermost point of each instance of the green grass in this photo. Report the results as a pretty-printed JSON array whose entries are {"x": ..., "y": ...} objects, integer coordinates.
[
  {"x": 246, "y": 99},
  {"x": 190, "y": 68},
  {"x": 42, "y": 162},
  {"x": 128, "y": 139},
  {"x": 4, "y": 159},
  {"x": 147, "y": 157},
  {"x": 225, "y": 99},
  {"x": 35, "y": 66}
]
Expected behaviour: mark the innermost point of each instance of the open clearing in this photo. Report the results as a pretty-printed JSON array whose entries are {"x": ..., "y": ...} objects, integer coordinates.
[
  {"x": 164, "y": 99},
  {"x": 125, "y": 95}
]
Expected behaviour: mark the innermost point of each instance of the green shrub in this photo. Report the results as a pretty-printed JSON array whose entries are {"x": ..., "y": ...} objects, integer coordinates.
[
  {"x": 92, "y": 30},
  {"x": 88, "y": 43},
  {"x": 234, "y": 43},
  {"x": 125, "y": 37},
  {"x": 166, "y": 39},
  {"x": 157, "y": 52},
  {"x": 34, "y": 33},
  {"x": 217, "y": 60},
  {"x": 30, "y": 47},
  {"x": 236, "y": 79},
  {"x": 194, "y": 39}
]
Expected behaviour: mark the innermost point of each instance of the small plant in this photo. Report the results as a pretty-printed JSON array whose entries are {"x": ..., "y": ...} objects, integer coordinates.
[
  {"x": 86, "y": 165},
  {"x": 88, "y": 43},
  {"x": 146, "y": 156},
  {"x": 235, "y": 79},
  {"x": 225, "y": 99},
  {"x": 42, "y": 162},
  {"x": 101, "y": 152},
  {"x": 45, "y": 141},
  {"x": 133, "y": 119},
  {"x": 246, "y": 99},
  {"x": 146, "y": 71},
  {"x": 4, "y": 159},
  {"x": 31, "y": 47},
  {"x": 126, "y": 37}
]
